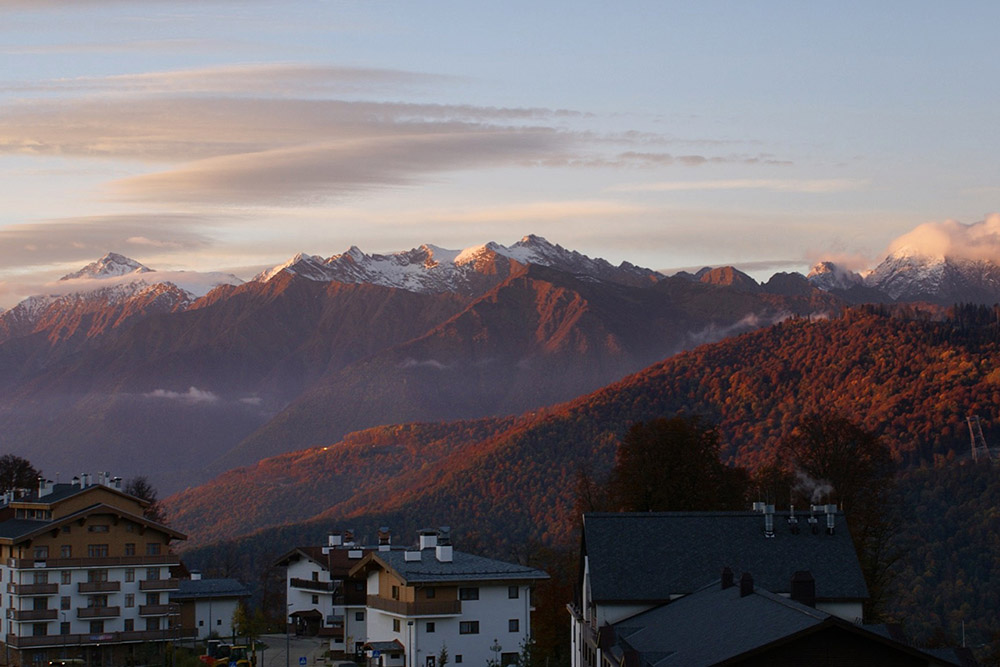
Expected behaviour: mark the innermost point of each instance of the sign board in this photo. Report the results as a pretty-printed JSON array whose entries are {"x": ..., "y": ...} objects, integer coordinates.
[
  {"x": 302, "y": 660},
  {"x": 376, "y": 653}
]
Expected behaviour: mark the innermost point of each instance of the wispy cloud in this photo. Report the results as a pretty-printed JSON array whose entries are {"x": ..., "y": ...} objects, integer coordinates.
[
  {"x": 192, "y": 395},
  {"x": 953, "y": 239},
  {"x": 809, "y": 186}
]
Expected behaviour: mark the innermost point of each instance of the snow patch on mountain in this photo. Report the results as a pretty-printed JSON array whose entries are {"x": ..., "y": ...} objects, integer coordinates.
[
  {"x": 110, "y": 265},
  {"x": 828, "y": 276}
]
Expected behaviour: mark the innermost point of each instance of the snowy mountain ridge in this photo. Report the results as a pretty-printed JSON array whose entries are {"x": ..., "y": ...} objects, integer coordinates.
[{"x": 432, "y": 269}]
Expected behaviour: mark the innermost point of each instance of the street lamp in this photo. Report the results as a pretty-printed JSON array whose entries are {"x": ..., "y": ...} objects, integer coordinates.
[{"x": 288, "y": 639}]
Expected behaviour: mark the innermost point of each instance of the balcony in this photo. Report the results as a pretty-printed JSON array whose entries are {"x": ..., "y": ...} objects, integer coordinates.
[
  {"x": 99, "y": 586},
  {"x": 159, "y": 584},
  {"x": 421, "y": 608},
  {"x": 309, "y": 584},
  {"x": 108, "y": 561},
  {"x": 98, "y": 612},
  {"x": 106, "y": 638},
  {"x": 35, "y": 614},
  {"x": 158, "y": 609},
  {"x": 32, "y": 589}
]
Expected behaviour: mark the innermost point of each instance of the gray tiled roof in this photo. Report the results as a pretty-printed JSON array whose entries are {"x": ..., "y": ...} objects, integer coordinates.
[
  {"x": 652, "y": 556},
  {"x": 714, "y": 625},
  {"x": 463, "y": 567},
  {"x": 192, "y": 589},
  {"x": 14, "y": 528}
]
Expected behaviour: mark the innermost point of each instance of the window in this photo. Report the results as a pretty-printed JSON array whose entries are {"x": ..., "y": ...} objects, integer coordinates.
[
  {"x": 40, "y": 604},
  {"x": 129, "y": 527},
  {"x": 458, "y": 658},
  {"x": 315, "y": 599},
  {"x": 470, "y": 593},
  {"x": 395, "y": 592},
  {"x": 153, "y": 549},
  {"x": 65, "y": 530},
  {"x": 130, "y": 599},
  {"x": 431, "y": 593},
  {"x": 152, "y": 598},
  {"x": 97, "y": 528},
  {"x": 130, "y": 574},
  {"x": 315, "y": 576},
  {"x": 67, "y": 576},
  {"x": 514, "y": 625},
  {"x": 97, "y": 627},
  {"x": 431, "y": 661},
  {"x": 430, "y": 626},
  {"x": 201, "y": 623},
  {"x": 508, "y": 659},
  {"x": 41, "y": 553},
  {"x": 64, "y": 628},
  {"x": 39, "y": 629},
  {"x": 395, "y": 625},
  {"x": 96, "y": 601},
  {"x": 129, "y": 624},
  {"x": 64, "y": 602},
  {"x": 468, "y": 628},
  {"x": 513, "y": 592},
  {"x": 152, "y": 573},
  {"x": 153, "y": 623},
  {"x": 218, "y": 621},
  {"x": 97, "y": 551},
  {"x": 41, "y": 577},
  {"x": 66, "y": 551},
  {"x": 94, "y": 576},
  {"x": 130, "y": 548}
]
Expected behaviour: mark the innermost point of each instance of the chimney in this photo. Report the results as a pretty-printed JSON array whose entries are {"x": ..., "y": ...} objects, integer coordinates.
[
  {"x": 75, "y": 482},
  {"x": 793, "y": 523},
  {"x": 384, "y": 539},
  {"x": 727, "y": 578},
  {"x": 117, "y": 483},
  {"x": 804, "y": 588},
  {"x": 335, "y": 539},
  {"x": 84, "y": 480},
  {"x": 195, "y": 575},
  {"x": 830, "y": 512},
  {"x": 411, "y": 556},
  {"x": 813, "y": 521},
  {"x": 428, "y": 538},
  {"x": 348, "y": 538},
  {"x": 355, "y": 554},
  {"x": 769, "y": 521},
  {"x": 746, "y": 585}
]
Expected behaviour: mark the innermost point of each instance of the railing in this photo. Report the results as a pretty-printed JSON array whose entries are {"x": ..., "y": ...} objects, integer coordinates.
[
  {"x": 159, "y": 584},
  {"x": 98, "y": 612},
  {"x": 99, "y": 586},
  {"x": 32, "y": 589},
  {"x": 420, "y": 608},
  {"x": 309, "y": 584},
  {"x": 158, "y": 609},
  {"x": 103, "y": 561},
  {"x": 103, "y": 638},
  {"x": 35, "y": 614}
]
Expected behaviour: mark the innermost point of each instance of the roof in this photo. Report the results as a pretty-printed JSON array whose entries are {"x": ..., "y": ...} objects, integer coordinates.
[
  {"x": 337, "y": 561},
  {"x": 652, "y": 556},
  {"x": 203, "y": 589},
  {"x": 20, "y": 529},
  {"x": 714, "y": 625},
  {"x": 463, "y": 567},
  {"x": 394, "y": 645},
  {"x": 61, "y": 491}
]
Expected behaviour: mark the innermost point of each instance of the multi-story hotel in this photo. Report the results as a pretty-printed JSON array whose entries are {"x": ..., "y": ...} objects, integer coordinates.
[{"x": 85, "y": 575}]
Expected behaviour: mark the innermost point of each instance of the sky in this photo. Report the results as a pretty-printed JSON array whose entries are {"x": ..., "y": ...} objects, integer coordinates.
[{"x": 232, "y": 134}]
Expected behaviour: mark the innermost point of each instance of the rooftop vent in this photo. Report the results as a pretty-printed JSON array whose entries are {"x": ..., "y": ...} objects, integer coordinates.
[
  {"x": 769, "y": 521},
  {"x": 428, "y": 538},
  {"x": 195, "y": 575},
  {"x": 444, "y": 553},
  {"x": 411, "y": 556},
  {"x": 793, "y": 523},
  {"x": 804, "y": 588},
  {"x": 384, "y": 539},
  {"x": 355, "y": 553}
]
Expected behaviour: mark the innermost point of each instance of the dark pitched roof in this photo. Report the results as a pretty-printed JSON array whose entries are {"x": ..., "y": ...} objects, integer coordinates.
[
  {"x": 714, "y": 625},
  {"x": 15, "y": 528},
  {"x": 652, "y": 556},
  {"x": 202, "y": 589},
  {"x": 463, "y": 567},
  {"x": 337, "y": 562},
  {"x": 61, "y": 491}
]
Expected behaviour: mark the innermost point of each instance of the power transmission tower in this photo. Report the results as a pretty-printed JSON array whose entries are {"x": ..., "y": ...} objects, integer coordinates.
[{"x": 979, "y": 448}]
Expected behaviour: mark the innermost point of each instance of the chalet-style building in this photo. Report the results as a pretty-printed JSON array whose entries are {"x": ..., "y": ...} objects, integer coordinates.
[
  {"x": 415, "y": 601},
  {"x": 634, "y": 562},
  {"x": 86, "y": 575}
]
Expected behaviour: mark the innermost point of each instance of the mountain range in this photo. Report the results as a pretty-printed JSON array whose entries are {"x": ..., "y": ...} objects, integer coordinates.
[{"x": 203, "y": 372}]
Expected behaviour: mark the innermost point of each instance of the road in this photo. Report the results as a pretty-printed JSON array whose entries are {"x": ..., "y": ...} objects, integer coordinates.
[{"x": 310, "y": 648}]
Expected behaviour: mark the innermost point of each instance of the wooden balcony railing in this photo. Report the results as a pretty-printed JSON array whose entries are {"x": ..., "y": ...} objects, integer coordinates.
[
  {"x": 419, "y": 608},
  {"x": 159, "y": 584},
  {"x": 99, "y": 586},
  {"x": 35, "y": 614},
  {"x": 15, "y": 641},
  {"x": 98, "y": 612},
  {"x": 158, "y": 609},
  {"x": 309, "y": 584},
  {"x": 32, "y": 589},
  {"x": 105, "y": 561}
]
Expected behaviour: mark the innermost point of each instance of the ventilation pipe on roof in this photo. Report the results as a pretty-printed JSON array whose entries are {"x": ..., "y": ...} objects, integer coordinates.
[
  {"x": 830, "y": 512},
  {"x": 813, "y": 521},
  {"x": 727, "y": 578},
  {"x": 195, "y": 575},
  {"x": 75, "y": 482},
  {"x": 769, "y": 521},
  {"x": 116, "y": 483},
  {"x": 411, "y": 556},
  {"x": 384, "y": 539},
  {"x": 348, "y": 538},
  {"x": 793, "y": 523},
  {"x": 746, "y": 585}
]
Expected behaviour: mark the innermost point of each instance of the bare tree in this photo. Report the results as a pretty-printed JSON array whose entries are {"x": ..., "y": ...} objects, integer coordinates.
[
  {"x": 141, "y": 488},
  {"x": 17, "y": 473}
]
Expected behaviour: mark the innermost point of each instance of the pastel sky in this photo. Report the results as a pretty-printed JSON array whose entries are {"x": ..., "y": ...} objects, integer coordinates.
[{"x": 230, "y": 135}]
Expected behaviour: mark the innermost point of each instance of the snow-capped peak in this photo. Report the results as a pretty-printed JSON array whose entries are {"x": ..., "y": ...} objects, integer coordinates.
[
  {"x": 109, "y": 266},
  {"x": 828, "y": 275}
]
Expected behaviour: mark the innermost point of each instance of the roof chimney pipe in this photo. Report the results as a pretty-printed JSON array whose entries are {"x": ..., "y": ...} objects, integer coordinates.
[
  {"x": 384, "y": 539},
  {"x": 746, "y": 585},
  {"x": 727, "y": 578}
]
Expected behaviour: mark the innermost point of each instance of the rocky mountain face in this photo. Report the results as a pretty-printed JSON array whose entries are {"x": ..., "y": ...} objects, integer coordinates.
[{"x": 293, "y": 358}]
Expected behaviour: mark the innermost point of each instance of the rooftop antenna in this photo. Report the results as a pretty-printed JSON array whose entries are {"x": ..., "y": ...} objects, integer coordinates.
[{"x": 979, "y": 448}]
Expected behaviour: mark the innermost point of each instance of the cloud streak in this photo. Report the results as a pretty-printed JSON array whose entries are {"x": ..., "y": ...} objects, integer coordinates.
[
  {"x": 953, "y": 239},
  {"x": 807, "y": 186}
]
